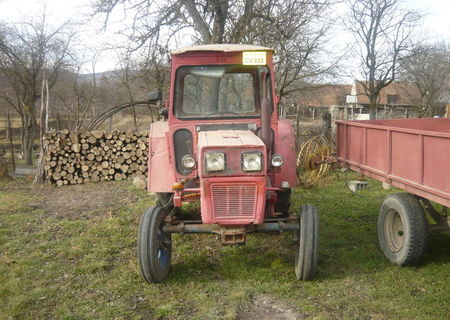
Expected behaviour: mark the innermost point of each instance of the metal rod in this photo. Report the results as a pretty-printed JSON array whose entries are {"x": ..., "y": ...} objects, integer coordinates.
[
  {"x": 198, "y": 189},
  {"x": 438, "y": 227},
  {"x": 216, "y": 228},
  {"x": 291, "y": 218},
  {"x": 191, "y": 190}
]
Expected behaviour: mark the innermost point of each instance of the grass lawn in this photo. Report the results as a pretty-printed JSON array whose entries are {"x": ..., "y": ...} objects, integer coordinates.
[{"x": 69, "y": 253}]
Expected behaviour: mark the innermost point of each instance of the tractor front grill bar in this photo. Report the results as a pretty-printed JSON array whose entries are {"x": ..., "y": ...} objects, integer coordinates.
[{"x": 231, "y": 201}]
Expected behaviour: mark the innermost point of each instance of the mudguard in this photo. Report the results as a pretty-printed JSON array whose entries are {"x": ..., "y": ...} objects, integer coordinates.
[
  {"x": 161, "y": 174},
  {"x": 285, "y": 145}
]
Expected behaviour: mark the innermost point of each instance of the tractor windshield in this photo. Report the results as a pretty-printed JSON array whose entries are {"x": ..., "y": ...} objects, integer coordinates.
[{"x": 219, "y": 91}]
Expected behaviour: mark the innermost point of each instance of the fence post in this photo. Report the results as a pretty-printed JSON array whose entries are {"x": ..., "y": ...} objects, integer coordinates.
[{"x": 11, "y": 145}]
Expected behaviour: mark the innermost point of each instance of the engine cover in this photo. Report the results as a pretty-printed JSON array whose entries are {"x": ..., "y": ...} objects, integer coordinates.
[{"x": 233, "y": 143}]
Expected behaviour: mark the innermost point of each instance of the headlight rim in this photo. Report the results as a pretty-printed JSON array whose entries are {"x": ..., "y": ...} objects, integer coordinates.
[
  {"x": 277, "y": 155},
  {"x": 244, "y": 153},
  {"x": 216, "y": 153},
  {"x": 188, "y": 156}
]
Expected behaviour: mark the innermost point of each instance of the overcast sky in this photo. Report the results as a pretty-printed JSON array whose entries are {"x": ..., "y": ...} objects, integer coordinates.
[{"x": 436, "y": 25}]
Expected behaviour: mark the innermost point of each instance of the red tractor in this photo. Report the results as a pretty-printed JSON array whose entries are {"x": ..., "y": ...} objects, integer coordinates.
[{"x": 222, "y": 145}]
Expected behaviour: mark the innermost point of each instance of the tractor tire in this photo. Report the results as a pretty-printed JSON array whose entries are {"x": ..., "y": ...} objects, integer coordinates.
[
  {"x": 308, "y": 251},
  {"x": 402, "y": 229},
  {"x": 154, "y": 246},
  {"x": 283, "y": 202}
]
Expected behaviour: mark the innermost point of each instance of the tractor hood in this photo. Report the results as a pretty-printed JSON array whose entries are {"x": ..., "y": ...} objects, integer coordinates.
[
  {"x": 233, "y": 144},
  {"x": 228, "y": 138}
]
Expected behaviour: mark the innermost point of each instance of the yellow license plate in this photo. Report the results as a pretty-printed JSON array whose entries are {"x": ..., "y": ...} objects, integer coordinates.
[{"x": 254, "y": 58}]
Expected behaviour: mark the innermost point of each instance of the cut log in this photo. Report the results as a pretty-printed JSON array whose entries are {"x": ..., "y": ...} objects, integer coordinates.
[
  {"x": 97, "y": 134},
  {"x": 93, "y": 156}
]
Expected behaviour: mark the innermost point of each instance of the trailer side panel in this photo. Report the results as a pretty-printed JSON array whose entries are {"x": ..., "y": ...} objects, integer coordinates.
[{"x": 411, "y": 154}]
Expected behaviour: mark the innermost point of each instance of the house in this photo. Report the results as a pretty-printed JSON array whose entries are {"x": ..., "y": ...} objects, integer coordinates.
[
  {"x": 318, "y": 100},
  {"x": 394, "y": 101},
  {"x": 351, "y": 102}
]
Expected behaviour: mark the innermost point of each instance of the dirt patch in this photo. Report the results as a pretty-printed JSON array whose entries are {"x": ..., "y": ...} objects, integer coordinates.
[
  {"x": 267, "y": 308},
  {"x": 79, "y": 200}
]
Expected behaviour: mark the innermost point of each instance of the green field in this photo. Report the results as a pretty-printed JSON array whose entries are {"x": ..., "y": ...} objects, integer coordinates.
[{"x": 69, "y": 253}]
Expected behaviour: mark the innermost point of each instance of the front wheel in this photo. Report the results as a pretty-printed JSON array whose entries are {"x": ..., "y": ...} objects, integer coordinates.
[
  {"x": 154, "y": 246},
  {"x": 308, "y": 251},
  {"x": 402, "y": 229}
]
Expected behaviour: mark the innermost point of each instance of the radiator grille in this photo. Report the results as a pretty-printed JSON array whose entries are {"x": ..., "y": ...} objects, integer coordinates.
[{"x": 234, "y": 201}]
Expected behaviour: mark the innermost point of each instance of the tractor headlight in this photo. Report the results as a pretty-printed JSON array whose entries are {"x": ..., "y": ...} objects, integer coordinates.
[
  {"x": 252, "y": 161},
  {"x": 188, "y": 161},
  {"x": 215, "y": 161},
  {"x": 277, "y": 160}
]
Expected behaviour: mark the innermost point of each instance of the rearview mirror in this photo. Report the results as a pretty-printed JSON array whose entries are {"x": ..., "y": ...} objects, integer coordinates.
[{"x": 154, "y": 96}]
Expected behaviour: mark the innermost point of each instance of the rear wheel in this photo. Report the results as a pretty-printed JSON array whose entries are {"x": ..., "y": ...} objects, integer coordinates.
[
  {"x": 154, "y": 246},
  {"x": 402, "y": 229},
  {"x": 308, "y": 250}
]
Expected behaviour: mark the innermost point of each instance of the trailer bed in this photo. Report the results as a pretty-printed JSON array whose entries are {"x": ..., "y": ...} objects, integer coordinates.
[{"x": 410, "y": 154}]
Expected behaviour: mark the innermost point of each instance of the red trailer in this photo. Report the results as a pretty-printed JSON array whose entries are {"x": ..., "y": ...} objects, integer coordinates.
[{"x": 410, "y": 154}]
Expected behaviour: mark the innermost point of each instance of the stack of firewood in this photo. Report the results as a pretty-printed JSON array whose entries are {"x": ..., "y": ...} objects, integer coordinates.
[{"x": 72, "y": 158}]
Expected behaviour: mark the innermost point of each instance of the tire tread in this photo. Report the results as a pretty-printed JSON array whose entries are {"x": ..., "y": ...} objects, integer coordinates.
[
  {"x": 149, "y": 266},
  {"x": 306, "y": 261}
]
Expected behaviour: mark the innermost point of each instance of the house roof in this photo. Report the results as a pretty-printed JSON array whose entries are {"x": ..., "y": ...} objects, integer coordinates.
[
  {"x": 326, "y": 95},
  {"x": 396, "y": 93},
  {"x": 222, "y": 48}
]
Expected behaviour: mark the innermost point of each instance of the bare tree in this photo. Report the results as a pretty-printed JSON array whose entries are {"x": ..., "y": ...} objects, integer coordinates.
[
  {"x": 27, "y": 50},
  {"x": 385, "y": 34},
  {"x": 295, "y": 28},
  {"x": 76, "y": 91},
  {"x": 126, "y": 74},
  {"x": 426, "y": 74},
  {"x": 153, "y": 69}
]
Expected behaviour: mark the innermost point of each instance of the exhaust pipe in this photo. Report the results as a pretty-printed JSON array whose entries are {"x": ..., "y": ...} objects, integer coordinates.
[{"x": 266, "y": 116}]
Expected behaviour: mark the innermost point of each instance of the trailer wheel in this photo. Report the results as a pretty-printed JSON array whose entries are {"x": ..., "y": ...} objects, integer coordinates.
[
  {"x": 402, "y": 228},
  {"x": 307, "y": 254},
  {"x": 154, "y": 246}
]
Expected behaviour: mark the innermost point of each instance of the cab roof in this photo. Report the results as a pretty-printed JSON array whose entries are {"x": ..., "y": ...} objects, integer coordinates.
[{"x": 222, "y": 48}]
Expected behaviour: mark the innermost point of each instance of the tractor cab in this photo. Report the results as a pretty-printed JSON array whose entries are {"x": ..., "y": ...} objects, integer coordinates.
[{"x": 223, "y": 146}]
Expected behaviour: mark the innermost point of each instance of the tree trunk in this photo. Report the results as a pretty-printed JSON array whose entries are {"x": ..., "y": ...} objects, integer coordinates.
[
  {"x": 58, "y": 122},
  {"x": 29, "y": 128},
  {"x": 6, "y": 126},
  {"x": 326, "y": 118},
  {"x": 373, "y": 106},
  {"x": 43, "y": 124},
  {"x": 373, "y": 112},
  {"x": 22, "y": 134},
  {"x": 11, "y": 144},
  {"x": 136, "y": 126}
]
